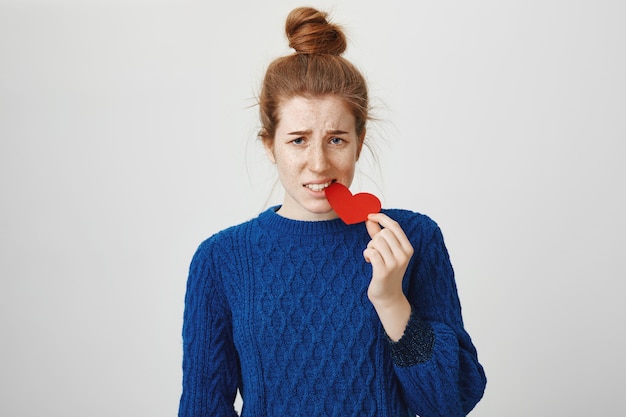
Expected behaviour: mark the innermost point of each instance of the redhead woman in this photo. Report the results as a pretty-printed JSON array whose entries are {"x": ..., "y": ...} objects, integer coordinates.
[{"x": 304, "y": 314}]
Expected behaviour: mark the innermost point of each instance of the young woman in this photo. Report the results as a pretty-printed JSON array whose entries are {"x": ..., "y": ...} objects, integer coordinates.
[{"x": 304, "y": 314}]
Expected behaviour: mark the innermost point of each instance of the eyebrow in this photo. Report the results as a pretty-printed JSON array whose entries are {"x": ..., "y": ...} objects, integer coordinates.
[{"x": 308, "y": 132}]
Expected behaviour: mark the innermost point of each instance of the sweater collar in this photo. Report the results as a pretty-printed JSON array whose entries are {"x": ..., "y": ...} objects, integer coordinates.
[{"x": 272, "y": 220}]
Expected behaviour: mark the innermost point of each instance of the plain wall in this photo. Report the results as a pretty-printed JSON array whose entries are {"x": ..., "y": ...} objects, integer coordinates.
[{"x": 127, "y": 136}]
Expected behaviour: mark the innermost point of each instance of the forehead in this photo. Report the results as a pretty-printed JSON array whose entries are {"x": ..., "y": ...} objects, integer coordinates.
[{"x": 309, "y": 113}]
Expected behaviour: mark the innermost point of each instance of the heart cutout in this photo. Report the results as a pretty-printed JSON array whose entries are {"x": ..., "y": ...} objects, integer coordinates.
[{"x": 351, "y": 208}]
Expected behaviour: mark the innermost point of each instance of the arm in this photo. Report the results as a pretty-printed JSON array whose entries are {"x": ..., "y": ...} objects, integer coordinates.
[
  {"x": 210, "y": 364},
  {"x": 434, "y": 358}
]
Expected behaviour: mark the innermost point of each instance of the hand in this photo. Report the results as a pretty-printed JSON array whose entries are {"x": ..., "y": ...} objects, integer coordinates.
[{"x": 389, "y": 252}]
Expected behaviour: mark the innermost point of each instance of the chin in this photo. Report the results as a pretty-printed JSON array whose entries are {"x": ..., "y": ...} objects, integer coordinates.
[{"x": 319, "y": 210}]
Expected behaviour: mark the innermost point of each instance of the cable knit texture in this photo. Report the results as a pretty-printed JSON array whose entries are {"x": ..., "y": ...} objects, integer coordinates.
[{"x": 278, "y": 309}]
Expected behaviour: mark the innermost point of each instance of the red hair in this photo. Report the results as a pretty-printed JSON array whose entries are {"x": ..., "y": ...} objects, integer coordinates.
[{"x": 316, "y": 69}]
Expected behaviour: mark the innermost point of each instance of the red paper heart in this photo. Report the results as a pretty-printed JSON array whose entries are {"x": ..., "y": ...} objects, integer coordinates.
[{"x": 351, "y": 208}]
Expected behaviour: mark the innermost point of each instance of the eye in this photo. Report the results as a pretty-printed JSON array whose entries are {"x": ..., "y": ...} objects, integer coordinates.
[
  {"x": 298, "y": 141},
  {"x": 336, "y": 141}
]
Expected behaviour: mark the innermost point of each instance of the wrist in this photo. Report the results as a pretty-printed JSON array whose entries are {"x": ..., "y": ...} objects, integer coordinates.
[{"x": 394, "y": 315}]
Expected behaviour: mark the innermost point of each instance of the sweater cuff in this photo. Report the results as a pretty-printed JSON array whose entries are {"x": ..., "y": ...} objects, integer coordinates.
[{"x": 416, "y": 344}]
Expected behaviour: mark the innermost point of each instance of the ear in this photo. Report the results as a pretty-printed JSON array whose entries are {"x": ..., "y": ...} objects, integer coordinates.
[
  {"x": 361, "y": 142},
  {"x": 268, "y": 144}
]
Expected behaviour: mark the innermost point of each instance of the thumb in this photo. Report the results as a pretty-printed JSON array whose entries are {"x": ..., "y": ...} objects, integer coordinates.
[{"x": 372, "y": 228}]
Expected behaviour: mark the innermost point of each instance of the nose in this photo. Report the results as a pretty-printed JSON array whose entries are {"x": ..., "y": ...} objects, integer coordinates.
[{"x": 318, "y": 159}]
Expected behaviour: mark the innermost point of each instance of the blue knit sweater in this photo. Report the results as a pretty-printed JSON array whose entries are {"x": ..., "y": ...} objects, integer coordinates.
[{"x": 278, "y": 309}]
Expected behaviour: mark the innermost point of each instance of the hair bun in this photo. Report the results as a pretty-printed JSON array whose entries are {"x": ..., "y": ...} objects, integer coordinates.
[{"x": 309, "y": 32}]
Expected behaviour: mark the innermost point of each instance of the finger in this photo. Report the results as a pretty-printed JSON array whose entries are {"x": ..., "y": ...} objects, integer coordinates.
[
  {"x": 372, "y": 228},
  {"x": 393, "y": 246},
  {"x": 381, "y": 245},
  {"x": 389, "y": 244},
  {"x": 383, "y": 220},
  {"x": 393, "y": 226},
  {"x": 373, "y": 257}
]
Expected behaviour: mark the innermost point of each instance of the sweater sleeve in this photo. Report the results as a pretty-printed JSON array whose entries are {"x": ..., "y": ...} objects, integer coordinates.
[
  {"x": 435, "y": 360},
  {"x": 210, "y": 364}
]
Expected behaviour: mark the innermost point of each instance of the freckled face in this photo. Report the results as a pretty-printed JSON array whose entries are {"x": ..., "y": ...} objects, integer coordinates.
[{"x": 315, "y": 144}]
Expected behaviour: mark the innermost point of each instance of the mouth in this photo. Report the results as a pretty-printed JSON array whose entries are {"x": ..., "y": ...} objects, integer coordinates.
[{"x": 319, "y": 186}]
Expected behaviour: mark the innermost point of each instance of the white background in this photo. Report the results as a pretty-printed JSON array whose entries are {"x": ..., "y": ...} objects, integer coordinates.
[{"x": 127, "y": 135}]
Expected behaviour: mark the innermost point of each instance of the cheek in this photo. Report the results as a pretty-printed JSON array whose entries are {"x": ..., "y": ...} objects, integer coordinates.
[
  {"x": 346, "y": 162},
  {"x": 345, "y": 172},
  {"x": 286, "y": 163}
]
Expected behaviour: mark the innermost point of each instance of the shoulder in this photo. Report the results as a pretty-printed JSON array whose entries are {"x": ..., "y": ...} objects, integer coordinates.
[
  {"x": 226, "y": 239},
  {"x": 412, "y": 221},
  {"x": 419, "y": 228},
  {"x": 217, "y": 255}
]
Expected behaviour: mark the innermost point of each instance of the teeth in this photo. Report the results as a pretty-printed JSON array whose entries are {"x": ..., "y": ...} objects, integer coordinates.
[{"x": 318, "y": 187}]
